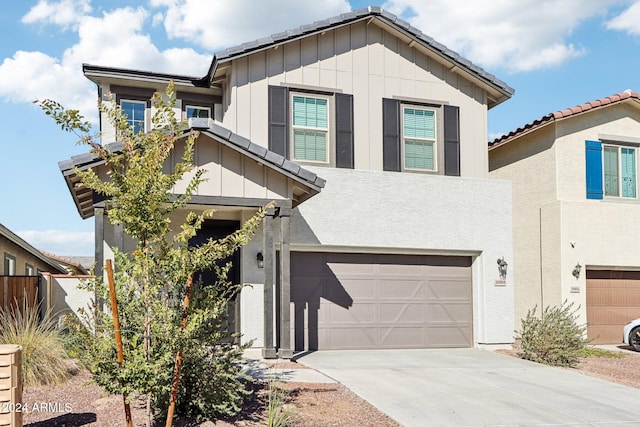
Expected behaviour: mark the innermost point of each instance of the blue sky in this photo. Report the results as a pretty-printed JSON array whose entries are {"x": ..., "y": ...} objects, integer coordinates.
[{"x": 555, "y": 53}]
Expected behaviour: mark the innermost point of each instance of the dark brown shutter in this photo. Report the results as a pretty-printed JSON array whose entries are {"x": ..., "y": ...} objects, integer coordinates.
[
  {"x": 344, "y": 131},
  {"x": 391, "y": 137},
  {"x": 451, "y": 140},
  {"x": 279, "y": 120}
]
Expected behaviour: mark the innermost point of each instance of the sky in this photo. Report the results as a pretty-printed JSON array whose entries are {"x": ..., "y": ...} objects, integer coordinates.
[{"x": 554, "y": 53}]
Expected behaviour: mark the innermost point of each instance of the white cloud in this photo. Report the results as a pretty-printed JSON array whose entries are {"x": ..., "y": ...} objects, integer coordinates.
[
  {"x": 116, "y": 39},
  {"x": 60, "y": 242},
  {"x": 64, "y": 13},
  {"x": 627, "y": 21},
  {"x": 518, "y": 36},
  {"x": 220, "y": 24}
]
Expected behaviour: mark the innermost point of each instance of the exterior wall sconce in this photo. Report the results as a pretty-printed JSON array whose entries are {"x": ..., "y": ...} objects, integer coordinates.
[
  {"x": 502, "y": 268},
  {"x": 260, "y": 260},
  {"x": 576, "y": 271}
]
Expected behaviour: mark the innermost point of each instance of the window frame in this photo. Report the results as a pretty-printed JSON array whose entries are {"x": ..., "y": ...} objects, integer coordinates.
[
  {"x": 144, "y": 114},
  {"x": 619, "y": 148},
  {"x": 197, "y": 107},
  {"x": 10, "y": 260},
  {"x": 437, "y": 141},
  {"x": 29, "y": 270},
  {"x": 330, "y": 153}
]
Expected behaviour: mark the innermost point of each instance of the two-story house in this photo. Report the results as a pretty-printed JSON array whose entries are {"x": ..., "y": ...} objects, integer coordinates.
[
  {"x": 370, "y": 137},
  {"x": 575, "y": 210}
]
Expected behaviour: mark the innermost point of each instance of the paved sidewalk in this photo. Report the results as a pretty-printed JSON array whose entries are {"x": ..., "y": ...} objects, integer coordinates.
[{"x": 259, "y": 369}]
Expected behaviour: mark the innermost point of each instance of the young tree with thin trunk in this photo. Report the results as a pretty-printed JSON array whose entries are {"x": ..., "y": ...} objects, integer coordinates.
[{"x": 151, "y": 281}]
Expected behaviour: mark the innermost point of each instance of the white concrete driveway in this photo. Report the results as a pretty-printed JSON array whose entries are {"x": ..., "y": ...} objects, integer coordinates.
[{"x": 474, "y": 387}]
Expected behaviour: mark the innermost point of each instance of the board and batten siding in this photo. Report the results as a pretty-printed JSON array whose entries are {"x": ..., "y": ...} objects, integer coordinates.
[
  {"x": 371, "y": 64},
  {"x": 230, "y": 174}
]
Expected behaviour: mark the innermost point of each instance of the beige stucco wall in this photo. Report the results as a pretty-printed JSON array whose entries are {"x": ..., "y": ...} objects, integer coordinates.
[
  {"x": 529, "y": 164},
  {"x": 370, "y": 63},
  {"x": 551, "y": 210},
  {"x": 22, "y": 258}
]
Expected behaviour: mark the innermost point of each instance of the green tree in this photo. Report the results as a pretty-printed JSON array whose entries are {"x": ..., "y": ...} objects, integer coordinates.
[{"x": 151, "y": 280}]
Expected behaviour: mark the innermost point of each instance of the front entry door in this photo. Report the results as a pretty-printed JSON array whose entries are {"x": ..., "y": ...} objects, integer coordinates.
[{"x": 218, "y": 229}]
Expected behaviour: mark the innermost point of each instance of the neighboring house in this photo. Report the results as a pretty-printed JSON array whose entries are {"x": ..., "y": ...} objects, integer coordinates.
[
  {"x": 371, "y": 139},
  {"x": 22, "y": 259},
  {"x": 576, "y": 210},
  {"x": 21, "y": 270}
]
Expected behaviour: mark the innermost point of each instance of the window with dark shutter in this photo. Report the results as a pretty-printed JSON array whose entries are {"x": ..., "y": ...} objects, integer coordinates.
[
  {"x": 593, "y": 150},
  {"x": 451, "y": 140},
  {"x": 344, "y": 131},
  {"x": 391, "y": 137},
  {"x": 278, "y": 120}
]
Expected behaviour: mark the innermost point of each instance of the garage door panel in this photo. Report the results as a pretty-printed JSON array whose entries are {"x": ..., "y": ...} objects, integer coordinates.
[
  {"x": 401, "y": 289},
  {"x": 449, "y": 313},
  {"x": 359, "y": 313},
  {"x": 357, "y": 288},
  {"x": 401, "y": 337},
  {"x": 402, "y": 313},
  {"x": 348, "y": 338},
  {"x": 449, "y": 289},
  {"x": 381, "y": 301},
  {"x": 448, "y": 336},
  {"x": 308, "y": 288}
]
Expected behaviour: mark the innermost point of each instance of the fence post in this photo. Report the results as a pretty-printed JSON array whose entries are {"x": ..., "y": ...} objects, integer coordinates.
[{"x": 10, "y": 385}]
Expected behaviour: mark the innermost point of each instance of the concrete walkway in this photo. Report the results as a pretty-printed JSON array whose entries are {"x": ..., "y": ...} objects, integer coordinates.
[{"x": 474, "y": 387}]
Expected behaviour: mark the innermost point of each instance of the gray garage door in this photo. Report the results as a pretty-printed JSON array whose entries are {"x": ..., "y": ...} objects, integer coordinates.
[{"x": 369, "y": 301}]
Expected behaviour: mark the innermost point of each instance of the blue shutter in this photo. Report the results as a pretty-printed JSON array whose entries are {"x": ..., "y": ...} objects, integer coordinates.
[{"x": 594, "y": 169}]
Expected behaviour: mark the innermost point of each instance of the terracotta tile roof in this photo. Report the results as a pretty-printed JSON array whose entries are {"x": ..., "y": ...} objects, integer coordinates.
[{"x": 563, "y": 114}]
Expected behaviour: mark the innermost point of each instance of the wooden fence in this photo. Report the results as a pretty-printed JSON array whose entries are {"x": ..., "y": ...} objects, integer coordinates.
[{"x": 16, "y": 290}]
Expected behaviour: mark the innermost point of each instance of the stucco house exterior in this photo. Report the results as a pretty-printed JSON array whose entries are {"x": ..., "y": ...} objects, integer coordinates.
[
  {"x": 370, "y": 137},
  {"x": 575, "y": 210}
]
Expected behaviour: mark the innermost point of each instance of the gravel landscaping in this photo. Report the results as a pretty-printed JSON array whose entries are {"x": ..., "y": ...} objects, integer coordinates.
[{"x": 80, "y": 403}]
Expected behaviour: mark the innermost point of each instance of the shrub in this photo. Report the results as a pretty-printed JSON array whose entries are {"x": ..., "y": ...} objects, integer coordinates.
[
  {"x": 44, "y": 360},
  {"x": 554, "y": 338}
]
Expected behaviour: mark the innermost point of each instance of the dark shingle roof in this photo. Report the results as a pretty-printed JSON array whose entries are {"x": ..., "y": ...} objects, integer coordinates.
[{"x": 563, "y": 114}]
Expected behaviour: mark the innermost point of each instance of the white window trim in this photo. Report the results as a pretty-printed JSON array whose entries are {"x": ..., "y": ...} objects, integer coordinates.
[
  {"x": 10, "y": 261},
  {"x": 435, "y": 140},
  {"x": 196, "y": 107},
  {"x": 328, "y": 129},
  {"x": 137, "y": 101},
  {"x": 619, "y": 149}
]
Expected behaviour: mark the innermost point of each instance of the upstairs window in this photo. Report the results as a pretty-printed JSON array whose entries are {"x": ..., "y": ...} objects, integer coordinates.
[
  {"x": 198, "y": 112},
  {"x": 619, "y": 171},
  {"x": 419, "y": 138},
  {"x": 611, "y": 170},
  {"x": 310, "y": 127},
  {"x": 135, "y": 112},
  {"x": 29, "y": 270}
]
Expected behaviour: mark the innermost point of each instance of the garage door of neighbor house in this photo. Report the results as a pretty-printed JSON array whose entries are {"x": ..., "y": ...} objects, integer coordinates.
[
  {"x": 370, "y": 301},
  {"x": 613, "y": 299}
]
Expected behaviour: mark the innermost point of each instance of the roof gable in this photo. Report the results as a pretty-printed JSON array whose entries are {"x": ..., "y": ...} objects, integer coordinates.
[
  {"x": 567, "y": 113},
  {"x": 498, "y": 90},
  {"x": 83, "y": 196}
]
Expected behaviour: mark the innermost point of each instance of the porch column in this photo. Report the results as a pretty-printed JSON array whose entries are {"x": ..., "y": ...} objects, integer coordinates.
[
  {"x": 269, "y": 350},
  {"x": 285, "y": 351},
  {"x": 98, "y": 217}
]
